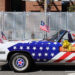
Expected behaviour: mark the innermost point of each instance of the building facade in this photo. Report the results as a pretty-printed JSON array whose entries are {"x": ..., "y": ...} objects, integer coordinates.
[
  {"x": 34, "y": 5},
  {"x": 2, "y": 5}
]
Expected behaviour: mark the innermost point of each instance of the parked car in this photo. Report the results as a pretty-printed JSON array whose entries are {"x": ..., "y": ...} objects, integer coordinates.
[{"x": 22, "y": 54}]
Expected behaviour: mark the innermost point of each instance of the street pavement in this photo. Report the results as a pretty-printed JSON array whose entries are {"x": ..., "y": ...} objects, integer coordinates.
[{"x": 42, "y": 70}]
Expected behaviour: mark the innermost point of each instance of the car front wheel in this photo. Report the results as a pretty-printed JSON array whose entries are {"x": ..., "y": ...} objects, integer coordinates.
[{"x": 20, "y": 62}]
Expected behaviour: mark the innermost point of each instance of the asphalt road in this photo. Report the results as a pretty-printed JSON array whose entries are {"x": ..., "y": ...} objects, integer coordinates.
[{"x": 43, "y": 70}]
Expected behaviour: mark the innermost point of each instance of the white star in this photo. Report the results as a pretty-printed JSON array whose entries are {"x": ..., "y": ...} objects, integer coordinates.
[
  {"x": 41, "y": 48},
  {"x": 21, "y": 47},
  {"x": 33, "y": 54},
  {"x": 28, "y": 47},
  {"x": 49, "y": 43},
  {"x": 39, "y": 54},
  {"x": 46, "y": 54},
  {"x": 34, "y": 48},
  {"x": 38, "y": 59},
  {"x": 47, "y": 48},
  {"x": 54, "y": 48},
  {"x": 55, "y": 43},
  {"x": 52, "y": 54},
  {"x": 14, "y": 47}
]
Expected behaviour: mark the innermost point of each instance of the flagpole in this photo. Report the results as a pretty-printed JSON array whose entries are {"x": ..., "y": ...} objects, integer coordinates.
[{"x": 45, "y": 11}]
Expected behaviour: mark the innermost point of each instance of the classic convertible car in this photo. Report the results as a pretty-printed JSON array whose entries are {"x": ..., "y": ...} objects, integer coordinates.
[{"x": 21, "y": 55}]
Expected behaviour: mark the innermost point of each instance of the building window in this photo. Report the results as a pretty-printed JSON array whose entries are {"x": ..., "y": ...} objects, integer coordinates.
[
  {"x": 65, "y": 5},
  {"x": 17, "y": 5}
]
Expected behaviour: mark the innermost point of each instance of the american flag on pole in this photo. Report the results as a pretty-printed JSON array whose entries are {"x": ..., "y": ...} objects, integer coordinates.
[
  {"x": 44, "y": 27},
  {"x": 3, "y": 36}
]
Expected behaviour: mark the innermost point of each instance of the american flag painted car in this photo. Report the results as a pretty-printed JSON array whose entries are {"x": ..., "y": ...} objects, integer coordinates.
[{"x": 21, "y": 55}]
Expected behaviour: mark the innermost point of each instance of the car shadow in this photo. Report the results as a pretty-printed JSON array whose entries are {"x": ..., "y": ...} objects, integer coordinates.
[
  {"x": 6, "y": 68},
  {"x": 45, "y": 68},
  {"x": 53, "y": 68}
]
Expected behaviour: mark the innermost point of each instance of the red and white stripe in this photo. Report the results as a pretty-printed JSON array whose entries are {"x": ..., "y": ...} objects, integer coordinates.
[{"x": 63, "y": 57}]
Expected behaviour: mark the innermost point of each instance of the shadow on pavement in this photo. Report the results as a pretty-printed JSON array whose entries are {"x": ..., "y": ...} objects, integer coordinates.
[
  {"x": 6, "y": 68},
  {"x": 45, "y": 68},
  {"x": 53, "y": 68}
]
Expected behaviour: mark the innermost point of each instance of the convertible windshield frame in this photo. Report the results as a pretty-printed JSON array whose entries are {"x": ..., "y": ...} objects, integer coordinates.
[{"x": 58, "y": 36}]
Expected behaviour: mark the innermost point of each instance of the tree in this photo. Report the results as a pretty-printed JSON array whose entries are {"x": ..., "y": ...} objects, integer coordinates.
[
  {"x": 42, "y": 3},
  {"x": 71, "y": 8}
]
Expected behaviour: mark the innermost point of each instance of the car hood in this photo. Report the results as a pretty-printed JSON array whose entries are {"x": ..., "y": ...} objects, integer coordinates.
[{"x": 7, "y": 43}]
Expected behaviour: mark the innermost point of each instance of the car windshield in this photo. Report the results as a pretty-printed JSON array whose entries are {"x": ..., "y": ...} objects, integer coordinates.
[{"x": 58, "y": 35}]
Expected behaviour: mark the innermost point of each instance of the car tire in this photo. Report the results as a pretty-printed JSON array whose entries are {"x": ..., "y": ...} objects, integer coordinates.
[{"x": 20, "y": 62}]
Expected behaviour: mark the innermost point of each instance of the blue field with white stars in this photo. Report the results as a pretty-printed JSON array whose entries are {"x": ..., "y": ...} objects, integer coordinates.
[{"x": 41, "y": 51}]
